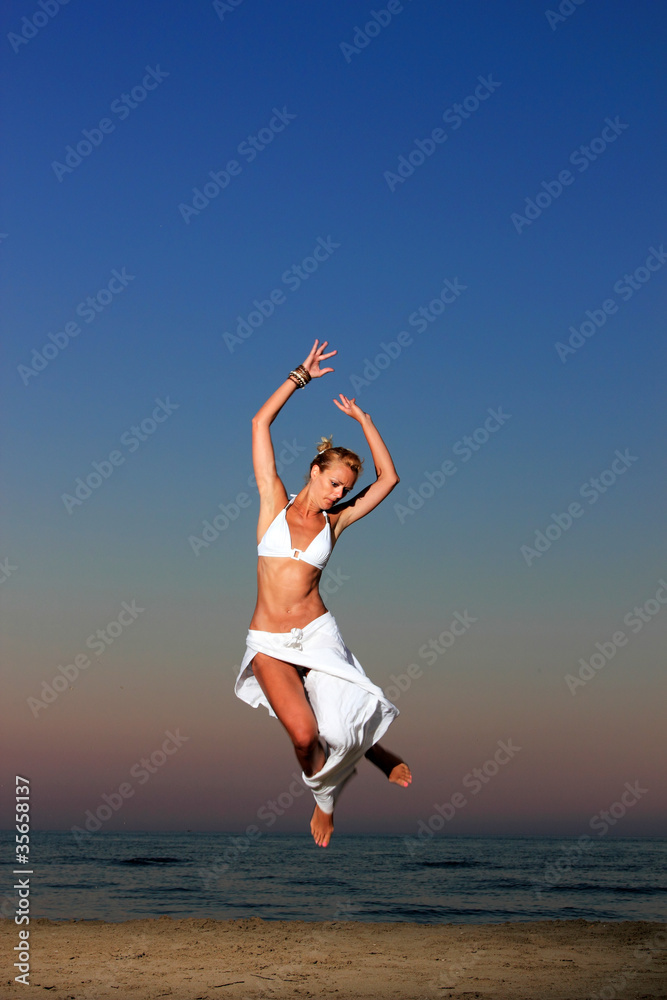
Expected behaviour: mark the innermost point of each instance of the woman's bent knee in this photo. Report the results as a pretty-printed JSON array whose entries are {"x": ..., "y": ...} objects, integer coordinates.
[
  {"x": 283, "y": 687},
  {"x": 304, "y": 737}
]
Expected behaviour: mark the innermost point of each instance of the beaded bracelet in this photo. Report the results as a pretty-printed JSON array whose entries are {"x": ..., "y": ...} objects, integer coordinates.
[{"x": 300, "y": 376}]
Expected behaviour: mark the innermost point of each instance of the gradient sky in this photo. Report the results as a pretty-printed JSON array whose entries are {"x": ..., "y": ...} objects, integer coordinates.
[{"x": 347, "y": 118}]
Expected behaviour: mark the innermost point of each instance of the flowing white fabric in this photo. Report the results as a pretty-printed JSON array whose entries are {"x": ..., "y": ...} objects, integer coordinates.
[{"x": 352, "y": 713}]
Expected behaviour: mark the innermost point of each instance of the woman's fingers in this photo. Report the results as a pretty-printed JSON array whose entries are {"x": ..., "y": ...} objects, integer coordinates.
[
  {"x": 348, "y": 406},
  {"x": 316, "y": 356},
  {"x": 315, "y": 349}
]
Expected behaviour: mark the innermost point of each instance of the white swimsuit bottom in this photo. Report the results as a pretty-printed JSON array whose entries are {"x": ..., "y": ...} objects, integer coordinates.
[{"x": 352, "y": 713}]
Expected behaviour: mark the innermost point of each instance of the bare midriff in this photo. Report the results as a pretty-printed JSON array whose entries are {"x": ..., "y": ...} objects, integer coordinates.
[{"x": 287, "y": 594}]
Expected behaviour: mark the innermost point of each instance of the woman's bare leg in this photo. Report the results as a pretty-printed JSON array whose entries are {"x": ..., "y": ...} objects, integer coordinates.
[
  {"x": 395, "y": 769},
  {"x": 283, "y": 687}
]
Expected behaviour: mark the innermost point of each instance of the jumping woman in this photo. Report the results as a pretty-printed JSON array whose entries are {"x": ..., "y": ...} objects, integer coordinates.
[{"x": 296, "y": 663}]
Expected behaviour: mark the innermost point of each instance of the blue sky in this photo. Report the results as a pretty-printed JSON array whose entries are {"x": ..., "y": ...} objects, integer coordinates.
[{"x": 581, "y": 94}]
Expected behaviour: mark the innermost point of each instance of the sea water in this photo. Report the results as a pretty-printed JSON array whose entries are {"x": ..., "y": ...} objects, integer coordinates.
[{"x": 125, "y": 876}]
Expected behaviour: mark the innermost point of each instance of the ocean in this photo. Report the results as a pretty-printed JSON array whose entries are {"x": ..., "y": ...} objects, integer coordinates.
[{"x": 125, "y": 876}]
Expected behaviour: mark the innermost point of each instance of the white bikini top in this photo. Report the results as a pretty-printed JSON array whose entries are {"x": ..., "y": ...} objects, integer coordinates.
[{"x": 277, "y": 541}]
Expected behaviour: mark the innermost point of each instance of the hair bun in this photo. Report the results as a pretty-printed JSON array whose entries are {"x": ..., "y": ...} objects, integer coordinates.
[{"x": 325, "y": 443}]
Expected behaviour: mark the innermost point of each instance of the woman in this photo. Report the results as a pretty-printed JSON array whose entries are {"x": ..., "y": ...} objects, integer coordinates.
[{"x": 296, "y": 663}]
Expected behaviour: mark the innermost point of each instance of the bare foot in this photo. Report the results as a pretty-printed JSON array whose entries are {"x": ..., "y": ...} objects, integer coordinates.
[
  {"x": 395, "y": 769},
  {"x": 400, "y": 775},
  {"x": 321, "y": 827}
]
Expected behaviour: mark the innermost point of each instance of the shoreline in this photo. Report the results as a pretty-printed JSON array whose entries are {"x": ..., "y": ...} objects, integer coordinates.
[{"x": 195, "y": 958}]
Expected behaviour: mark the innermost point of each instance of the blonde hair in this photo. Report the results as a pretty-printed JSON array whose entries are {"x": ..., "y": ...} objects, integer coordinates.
[{"x": 328, "y": 456}]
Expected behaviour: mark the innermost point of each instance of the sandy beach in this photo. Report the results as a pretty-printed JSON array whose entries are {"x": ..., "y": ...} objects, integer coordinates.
[{"x": 207, "y": 959}]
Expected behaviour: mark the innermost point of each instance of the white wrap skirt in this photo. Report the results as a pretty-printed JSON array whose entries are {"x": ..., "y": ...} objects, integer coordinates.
[{"x": 352, "y": 713}]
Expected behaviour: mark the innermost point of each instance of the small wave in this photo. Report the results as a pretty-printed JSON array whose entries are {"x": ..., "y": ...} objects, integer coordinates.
[
  {"x": 501, "y": 885},
  {"x": 150, "y": 861},
  {"x": 450, "y": 864},
  {"x": 419, "y": 912},
  {"x": 169, "y": 888},
  {"x": 647, "y": 890},
  {"x": 85, "y": 885},
  {"x": 320, "y": 882}
]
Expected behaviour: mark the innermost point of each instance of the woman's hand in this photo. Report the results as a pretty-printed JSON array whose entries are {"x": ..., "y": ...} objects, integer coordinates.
[
  {"x": 350, "y": 407},
  {"x": 312, "y": 362}
]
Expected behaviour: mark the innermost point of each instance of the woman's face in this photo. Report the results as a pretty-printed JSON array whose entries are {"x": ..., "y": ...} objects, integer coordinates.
[{"x": 332, "y": 484}]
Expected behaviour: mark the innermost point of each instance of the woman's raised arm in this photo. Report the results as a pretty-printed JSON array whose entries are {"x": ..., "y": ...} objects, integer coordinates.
[
  {"x": 263, "y": 457},
  {"x": 387, "y": 477}
]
